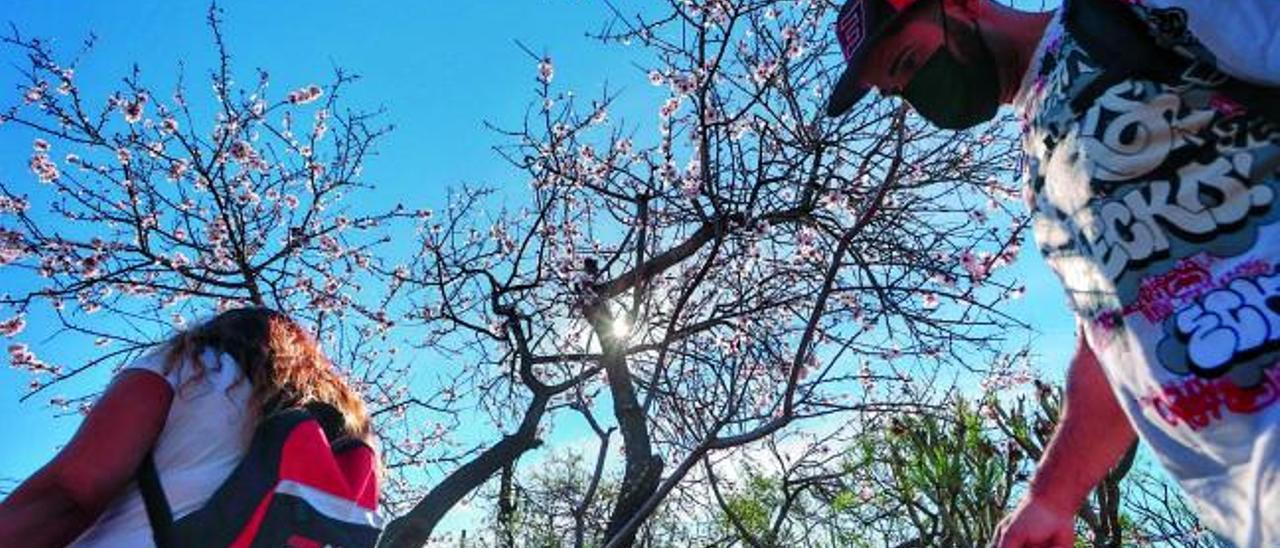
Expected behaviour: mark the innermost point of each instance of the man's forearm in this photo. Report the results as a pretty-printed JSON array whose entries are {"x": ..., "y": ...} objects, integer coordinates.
[{"x": 1093, "y": 433}]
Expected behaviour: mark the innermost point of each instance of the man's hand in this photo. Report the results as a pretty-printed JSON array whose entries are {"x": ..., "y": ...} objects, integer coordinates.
[
  {"x": 1093, "y": 433},
  {"x": 1036, "y": 524}
]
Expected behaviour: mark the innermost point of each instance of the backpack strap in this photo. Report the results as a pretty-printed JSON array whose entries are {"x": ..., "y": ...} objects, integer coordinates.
[
  {"x": 158, "y": 513},
  {"x": 1117, "y": 39}
]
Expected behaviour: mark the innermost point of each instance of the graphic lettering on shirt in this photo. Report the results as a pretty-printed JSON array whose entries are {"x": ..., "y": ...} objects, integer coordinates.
[
  {"x": 1137, "y": 199},
  {"x": 1164, "y": 219},
  {"x": 1206, "y": 199},
  {"x": 1234, "y": 328},
  {"x": 1199, "y": 403},
  {"x": 1159, "y": 295},
  {"x": 1131, "y": 129}
]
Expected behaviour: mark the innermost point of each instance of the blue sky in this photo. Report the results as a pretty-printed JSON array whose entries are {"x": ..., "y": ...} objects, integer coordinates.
[{"x": 440, "y": 72}]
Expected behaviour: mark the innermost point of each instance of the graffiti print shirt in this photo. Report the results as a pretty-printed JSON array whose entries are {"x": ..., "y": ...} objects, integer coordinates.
[{"x": 1158, "y": 207}]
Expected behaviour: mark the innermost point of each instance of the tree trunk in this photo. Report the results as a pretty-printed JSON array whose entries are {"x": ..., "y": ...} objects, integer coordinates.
[
  {"x": 643, "y": 468},
  {"x": 415, "y": 527},
  {"x": 507, "y": 507}
]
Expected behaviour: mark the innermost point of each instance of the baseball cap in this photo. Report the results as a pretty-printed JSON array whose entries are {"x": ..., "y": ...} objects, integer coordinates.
[{"x": 859, "y": 25}]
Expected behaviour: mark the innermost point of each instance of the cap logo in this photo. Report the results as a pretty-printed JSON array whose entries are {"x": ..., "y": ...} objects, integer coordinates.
[{"x": 851, "y": 28}]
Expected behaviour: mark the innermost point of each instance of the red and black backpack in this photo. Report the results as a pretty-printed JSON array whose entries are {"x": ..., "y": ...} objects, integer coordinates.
[{"x": 293, "y": 488}]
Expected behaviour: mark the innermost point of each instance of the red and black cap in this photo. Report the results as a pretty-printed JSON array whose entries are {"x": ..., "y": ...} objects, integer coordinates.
[{"x": 859, "y": 25}]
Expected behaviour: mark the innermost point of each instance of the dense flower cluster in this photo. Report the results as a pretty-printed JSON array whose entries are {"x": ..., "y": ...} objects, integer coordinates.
[
  {"x": 43, "y": 167},
  {"x": 13, "y": 326},
  {"x": 305, "y": 95}
]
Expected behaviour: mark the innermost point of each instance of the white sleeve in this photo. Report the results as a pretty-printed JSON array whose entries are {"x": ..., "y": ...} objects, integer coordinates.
[
  {"x": 153, "y": 361},
  {"x": 1242, "y": 34}
]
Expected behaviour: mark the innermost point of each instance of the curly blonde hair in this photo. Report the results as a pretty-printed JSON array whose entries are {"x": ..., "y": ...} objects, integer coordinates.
[{"x": 282, "y": 361}]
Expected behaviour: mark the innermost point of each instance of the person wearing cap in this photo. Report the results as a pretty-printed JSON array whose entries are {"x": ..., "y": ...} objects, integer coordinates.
[{"x": 1152, "y": 171}]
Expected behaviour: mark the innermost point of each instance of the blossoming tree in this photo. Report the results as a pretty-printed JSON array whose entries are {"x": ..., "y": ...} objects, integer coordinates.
[
  {"x": 707, "y": 279},
  {"x": 156, "y": 207},
  {"x": 725, "y": 271}
]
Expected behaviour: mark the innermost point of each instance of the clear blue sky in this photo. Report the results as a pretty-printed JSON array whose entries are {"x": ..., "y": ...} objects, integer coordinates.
[{"x": 440, "y": 72}]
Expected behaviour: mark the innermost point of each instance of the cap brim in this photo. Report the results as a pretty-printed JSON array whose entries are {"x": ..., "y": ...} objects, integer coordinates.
[{"x": 848, "y": 91}]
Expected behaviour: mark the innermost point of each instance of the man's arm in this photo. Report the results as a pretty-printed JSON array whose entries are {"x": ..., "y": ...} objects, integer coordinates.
[{"x": 1092, "y": 434}]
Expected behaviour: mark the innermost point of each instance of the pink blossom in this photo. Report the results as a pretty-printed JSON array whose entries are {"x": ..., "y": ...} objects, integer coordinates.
[
  {"x": 546, "y": 71},
  {"x": 44, "y": 168},
  {"x": 35, "y": 94},
  {"x": 242, "y": 151},
  {"x": 975, "y": 265},
  {"x": 21, "y": 357},
  {"x": 806, "y": 237},
  {"x": 656, "y": 78},
  {"x": 179, "y": 260},
  {"x": 764, "y": 71},
  {"x": 13, "y": 205},
  {"x": 89, "y": 266},
  {"x": 684, "y": 84},
  {"x": 1010, "y": 253},
  {"x": 322, "y": 125},
  {"x": 601, "y": 116},
  {"x": 132, "y": 111},
  {"x": 866, "y": 377},
  {"x": 790, "y": 33},
  {"x": 330, "y": 247},
  {"x": 669, "y": 107},
  {"x": 13, "y": 326},
  {"x": 305, "y": 95},
  {"x": 177, "y": 169}
]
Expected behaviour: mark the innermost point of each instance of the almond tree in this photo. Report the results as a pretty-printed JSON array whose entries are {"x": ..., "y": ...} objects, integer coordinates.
[
  {"x": 703, "y": 283},
  {"x": 148, "y": 206}
]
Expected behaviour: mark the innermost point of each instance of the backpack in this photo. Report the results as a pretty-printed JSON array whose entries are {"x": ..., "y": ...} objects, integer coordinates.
[
  {"x": 1123, "y": 45},
  {"x": 293, "y": 488}
]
